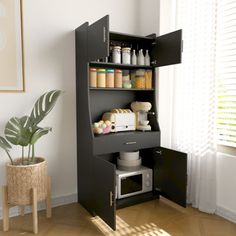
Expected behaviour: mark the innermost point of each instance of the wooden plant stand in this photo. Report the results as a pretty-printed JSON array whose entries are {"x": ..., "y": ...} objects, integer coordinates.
[{"x": 6, "y": 206}]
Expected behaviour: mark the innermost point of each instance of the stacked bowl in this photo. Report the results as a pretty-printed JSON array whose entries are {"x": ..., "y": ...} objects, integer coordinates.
[{"x": 129, "y": 161}]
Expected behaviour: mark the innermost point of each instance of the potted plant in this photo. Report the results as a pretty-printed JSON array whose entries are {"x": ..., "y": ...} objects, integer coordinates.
[{"x": 29, "y": 171}]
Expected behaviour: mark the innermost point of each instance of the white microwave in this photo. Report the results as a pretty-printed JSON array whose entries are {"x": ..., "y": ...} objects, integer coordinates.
[{"x": 130, "y": 183}]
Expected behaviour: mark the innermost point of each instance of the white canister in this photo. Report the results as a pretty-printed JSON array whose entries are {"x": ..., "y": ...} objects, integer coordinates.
[
  {"x": 126, "y": 58},
  {"x": 116, "y": 56}
]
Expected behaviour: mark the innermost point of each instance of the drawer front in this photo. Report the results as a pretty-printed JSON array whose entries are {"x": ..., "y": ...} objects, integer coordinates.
[{"x": 125, "y": 142}]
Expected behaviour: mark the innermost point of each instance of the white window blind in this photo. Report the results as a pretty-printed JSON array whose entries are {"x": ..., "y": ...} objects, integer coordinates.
[{"x": 226, "y": 72}]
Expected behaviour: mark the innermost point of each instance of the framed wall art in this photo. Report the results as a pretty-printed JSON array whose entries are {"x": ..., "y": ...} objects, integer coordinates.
[{"x": 11, "y": 46}]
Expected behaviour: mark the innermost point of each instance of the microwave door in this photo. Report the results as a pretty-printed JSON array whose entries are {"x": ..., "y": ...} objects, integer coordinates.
[{"x": 131, "y": 185}]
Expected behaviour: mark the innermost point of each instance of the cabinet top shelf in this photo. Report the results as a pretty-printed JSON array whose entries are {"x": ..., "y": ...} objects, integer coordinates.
[
  {"x": 118, "y": 66},
  {"x": 129, "y": 37}
]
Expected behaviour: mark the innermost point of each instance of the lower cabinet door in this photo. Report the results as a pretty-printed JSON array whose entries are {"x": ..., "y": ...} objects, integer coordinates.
[
  {"x": 104, "y": 191},
  {"x": 170, "y": 174}
]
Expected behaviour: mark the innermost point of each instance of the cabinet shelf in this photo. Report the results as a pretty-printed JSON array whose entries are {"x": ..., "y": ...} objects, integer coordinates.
[
  {"x": 118, "y": 66},
  {"x": 121, "y": 89}
]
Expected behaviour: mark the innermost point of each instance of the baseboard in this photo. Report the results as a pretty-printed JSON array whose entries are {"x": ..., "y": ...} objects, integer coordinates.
[
  {"x": 226, "y": 213},
  {"x": 56, "y": 201}
]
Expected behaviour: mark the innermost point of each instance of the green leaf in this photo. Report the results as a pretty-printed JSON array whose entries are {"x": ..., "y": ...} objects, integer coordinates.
[
  {"x": 39, "y": 133},
  {"x": 4, "y": 144},
  {"x": 44, "y": 105},
  {"x": 18, "y": 131}
]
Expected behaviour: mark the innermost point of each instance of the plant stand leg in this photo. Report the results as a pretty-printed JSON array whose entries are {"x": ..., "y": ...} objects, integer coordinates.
[
  {"x": 35, "y": 210},
  {"x": 48, "y": 199},
  {"x": 5, "y": 209}
]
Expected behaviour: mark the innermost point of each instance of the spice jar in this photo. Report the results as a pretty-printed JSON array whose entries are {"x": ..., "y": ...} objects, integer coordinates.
[
  {"x": 126, "y": 82},
  {"x": 132, "y": 77},
  {"x": 116, "y": 57},
  {"x": 118, "y": 78},
  {"x": 148, "y": 79},
  {"x": 101, "y": 78},
  {"x": 93, "y": 77},
  {"x": 140, "y": 79},
  {"x": 126, "y": 55},
  {"x": 110, "y": 78}
]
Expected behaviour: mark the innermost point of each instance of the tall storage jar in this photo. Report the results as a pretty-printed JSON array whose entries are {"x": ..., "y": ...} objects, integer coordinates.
[
  {"x": 110, "y": 78},
  {"x": 140, "y": 79},
  {"x": 118, "y": 78},
  {"x": 126, "y": 58},
  {"x": 116, "y": 56},
  {"x": 101, "y": 78},
  {"x": 93, "y": 77}
]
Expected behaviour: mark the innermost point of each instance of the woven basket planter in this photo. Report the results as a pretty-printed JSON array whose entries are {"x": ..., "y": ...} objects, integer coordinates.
[{"x": 22, "y": 178}]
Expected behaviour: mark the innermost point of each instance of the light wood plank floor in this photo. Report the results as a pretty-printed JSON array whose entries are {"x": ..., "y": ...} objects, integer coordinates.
[{"x": 159, "y": 217}]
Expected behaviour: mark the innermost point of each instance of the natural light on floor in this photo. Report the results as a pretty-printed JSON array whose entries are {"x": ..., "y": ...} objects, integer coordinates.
[{"x": 122, "y": 228}]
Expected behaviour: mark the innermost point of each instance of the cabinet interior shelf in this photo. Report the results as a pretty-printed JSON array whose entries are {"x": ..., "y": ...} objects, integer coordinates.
[
  {"x": 121, "y": 89},
  {"x": 118, "y": 66},
  {"x": 130, "y": 37}
]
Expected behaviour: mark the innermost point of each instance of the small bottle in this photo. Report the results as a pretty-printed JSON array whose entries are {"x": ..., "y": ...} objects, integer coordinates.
[
  {"x": 147, "y": 59},
  {"x": 134, "y": 58},
  {"x": 140, "y": 58}
]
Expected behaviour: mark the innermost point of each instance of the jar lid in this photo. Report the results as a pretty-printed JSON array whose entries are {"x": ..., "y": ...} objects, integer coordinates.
[
  {"x": 116, "y": 47},
  {"x": 126, "y": 49},
  {"x": 140, "y": 72},
  {"x": 93, "y": 69},
  {"x": 101, "y": 70},
  {"x": 118, "y": 71},
  {"x": 125, "y": 72},
  {"x": 110, "y": 71}
]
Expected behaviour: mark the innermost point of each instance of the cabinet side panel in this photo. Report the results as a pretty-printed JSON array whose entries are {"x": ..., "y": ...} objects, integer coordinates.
[{"x": 84, "y": 135}]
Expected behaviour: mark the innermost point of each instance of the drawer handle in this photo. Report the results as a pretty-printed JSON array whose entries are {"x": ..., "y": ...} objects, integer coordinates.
[{"x": 130, "y": 143}]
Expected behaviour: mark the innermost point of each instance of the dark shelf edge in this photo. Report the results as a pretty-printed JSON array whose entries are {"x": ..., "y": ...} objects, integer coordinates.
[
  {"x": 130, "y": 201},
  {"x": 134, "y": 132},
  {"x": 120, "y": 89},
  {"x": 119, "y": 66}
]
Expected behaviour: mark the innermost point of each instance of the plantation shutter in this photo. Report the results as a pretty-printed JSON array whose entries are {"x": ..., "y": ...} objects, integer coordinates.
[{"x": 226, "y": 72}]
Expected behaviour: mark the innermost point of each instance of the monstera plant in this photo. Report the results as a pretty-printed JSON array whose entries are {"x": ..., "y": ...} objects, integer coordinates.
[{"x": 25, "y": 131}]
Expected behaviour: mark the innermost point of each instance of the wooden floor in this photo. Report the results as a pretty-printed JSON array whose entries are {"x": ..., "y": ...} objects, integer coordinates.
[{"x": 158, "y": 217}]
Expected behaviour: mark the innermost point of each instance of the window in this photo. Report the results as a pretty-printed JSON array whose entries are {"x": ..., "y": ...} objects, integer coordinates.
[{"x": 226, "y": 72}]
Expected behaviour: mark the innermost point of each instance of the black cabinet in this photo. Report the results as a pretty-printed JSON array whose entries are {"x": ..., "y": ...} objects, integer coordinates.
[{"x": 97, "y": 153}]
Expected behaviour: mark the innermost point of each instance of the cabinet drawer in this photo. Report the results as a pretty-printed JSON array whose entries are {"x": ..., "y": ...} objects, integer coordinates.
[{"x": 125, "y": 141}]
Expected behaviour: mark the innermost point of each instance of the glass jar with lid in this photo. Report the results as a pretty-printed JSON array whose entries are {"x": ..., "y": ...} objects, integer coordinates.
[
  {"x": 93, "y": 77},
  {"x": 101, "y": 78},
  {"x": 118, "y": 78},
  {"x": 116, "y": 56},
  {"x": 140, "y": 79},
  {"x": 126, "y": 58},
  {"x": 110, "y": 78}
]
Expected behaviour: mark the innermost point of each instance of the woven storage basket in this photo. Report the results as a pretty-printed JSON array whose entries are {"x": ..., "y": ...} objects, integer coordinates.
[{"x": 21, "y": 180}]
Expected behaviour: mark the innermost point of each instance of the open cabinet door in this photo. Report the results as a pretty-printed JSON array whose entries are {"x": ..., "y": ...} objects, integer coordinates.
[
  {"x": 104, "y": 191},
  {"x": 98, "y": 39},
  {"x": 170, "y": 174},
  {"x": 167, "y": 49}
]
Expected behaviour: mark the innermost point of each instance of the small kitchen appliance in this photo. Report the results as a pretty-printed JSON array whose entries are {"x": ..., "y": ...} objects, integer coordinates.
[
  {"x": 130, "y": 183},
  {"x": 141, "y": 110},
  {"x": 121, "y": 120}
]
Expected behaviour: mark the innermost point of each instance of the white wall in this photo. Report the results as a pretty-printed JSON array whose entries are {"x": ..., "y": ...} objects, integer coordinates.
[{"x": 50, "y": 64}]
